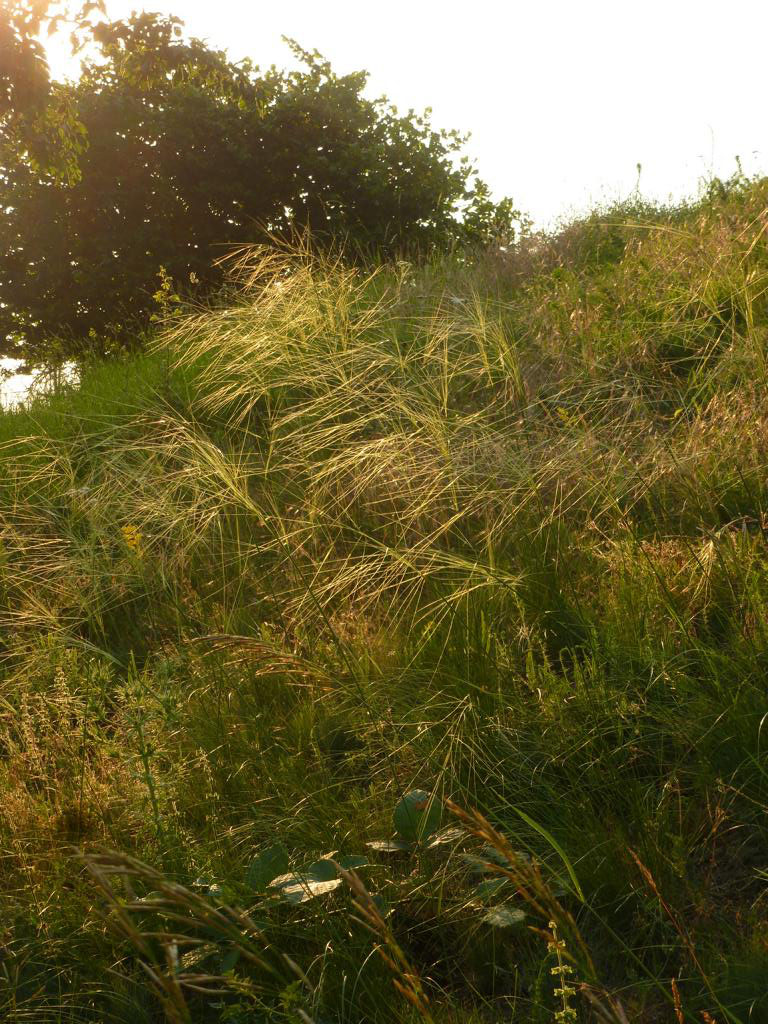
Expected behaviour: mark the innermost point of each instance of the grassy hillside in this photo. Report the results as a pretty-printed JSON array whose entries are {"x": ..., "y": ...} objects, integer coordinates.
[{"x": 493, "y": 534}]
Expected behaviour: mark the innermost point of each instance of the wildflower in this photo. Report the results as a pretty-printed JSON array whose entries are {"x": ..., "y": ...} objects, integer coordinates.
[
  {"x": 556, "y": 945},
  {"x": 131, "y": 536}
]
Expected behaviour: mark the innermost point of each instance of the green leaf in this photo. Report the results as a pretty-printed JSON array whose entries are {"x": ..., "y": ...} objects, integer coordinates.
[
  {"x": 417, "y": 816},
  {"x": 490, "y": 887},
  {"x": 389, "y": 846},
  {"x": 496, "y": 857},
  {"x": 298, "y": 888},
  {"x": 195, "y": 957},
  {"x": 352, "y": 862},
  {"x": 479, "y": 865},
  {"x": 493, "y": 856},
  {"x": 229, "y": 961},
  {"x": 504, "y": 917},
  {"x": 446, "y": 835},
  {"x": 490, "y": 858},
  {"x": 321, "y": 871},
  {"x": 555, "y": 846},
  {"x": 265, "y": 866},
  {"x": 216, "y": 892},
  {"x": 150, "y": 897}
]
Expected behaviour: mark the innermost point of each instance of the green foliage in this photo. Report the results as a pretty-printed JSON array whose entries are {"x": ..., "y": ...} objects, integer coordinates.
[
  {"x": 416, "y": 816},
  {"x": 267, "y": 865},
  {"x": 269, "y": 870},
  {"x": 356, "y": 545},
  {"x": 39, "y": 124},
  {"x": 505, "y": 917},
  {"x": 189, "y": 156},
  {"x": 315, "y": 880}
]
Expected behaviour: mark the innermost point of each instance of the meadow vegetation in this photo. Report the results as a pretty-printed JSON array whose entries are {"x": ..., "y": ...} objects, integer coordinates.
[{"x": 391, "y": 645}]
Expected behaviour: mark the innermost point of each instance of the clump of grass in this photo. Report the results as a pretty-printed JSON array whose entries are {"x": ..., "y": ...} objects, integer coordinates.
[{"x": 494, "y": 533}]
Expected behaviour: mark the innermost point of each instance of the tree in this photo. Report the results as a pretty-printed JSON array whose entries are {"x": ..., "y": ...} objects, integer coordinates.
[
  {"x": 38, "y": 122},
  {"x": 188, "y": 153}
]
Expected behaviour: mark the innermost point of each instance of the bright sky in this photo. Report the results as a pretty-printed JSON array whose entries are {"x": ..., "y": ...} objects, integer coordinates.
[{"x": 563, "y": 98}]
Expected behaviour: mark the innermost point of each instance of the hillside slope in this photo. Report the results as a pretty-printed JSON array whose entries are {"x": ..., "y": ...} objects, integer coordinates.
[{"x": 495, "y": 534}]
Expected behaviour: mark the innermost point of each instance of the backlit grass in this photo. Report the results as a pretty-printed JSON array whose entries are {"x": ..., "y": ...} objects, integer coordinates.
[{"x": 495, "y": 532}]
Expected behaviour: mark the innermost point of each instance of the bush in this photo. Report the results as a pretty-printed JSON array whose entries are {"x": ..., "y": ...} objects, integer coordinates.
[{"x": 188, "y": 155}]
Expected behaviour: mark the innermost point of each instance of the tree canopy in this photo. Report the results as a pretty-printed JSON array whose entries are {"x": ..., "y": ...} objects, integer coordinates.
[
  {"x": 169, "y": 153},
  {"x": 38, "y": 122}
]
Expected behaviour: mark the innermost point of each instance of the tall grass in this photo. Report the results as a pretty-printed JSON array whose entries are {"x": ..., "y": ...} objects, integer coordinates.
[{"x": 494, "y": 532}]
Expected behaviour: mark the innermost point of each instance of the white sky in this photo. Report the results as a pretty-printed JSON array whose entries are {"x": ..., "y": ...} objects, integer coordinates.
[
  {"x": 563, "y": 97},
  {"x": 13, "y": 388}
]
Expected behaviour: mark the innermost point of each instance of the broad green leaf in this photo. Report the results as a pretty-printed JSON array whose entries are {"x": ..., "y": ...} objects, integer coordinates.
[
  {"x": 446, "y": 835},
  {"x": 504, "y": 917},
  {"x": 352, "y": 862},
  {"x": 489, "y": 858},
  {"x": 321, "y": 871},
  {"x": 479, "y": 865},
  {"x": 490, "y": 887},
  {"x": 265, "y": 866},
  {"x": 389, "y": 845},
  {"x": 288, "y": 878},
  {"x": 494, "y": 856},
  {"x": 296, "y": 888},
  {"x": 417, "y": 816}
]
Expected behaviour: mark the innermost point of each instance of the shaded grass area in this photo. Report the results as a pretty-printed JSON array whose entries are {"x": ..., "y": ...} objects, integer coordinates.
[{"x": 496, "y": 533}]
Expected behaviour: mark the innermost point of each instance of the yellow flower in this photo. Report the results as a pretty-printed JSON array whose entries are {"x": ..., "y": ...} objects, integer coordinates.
[{"x": 131, "y": 536}]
